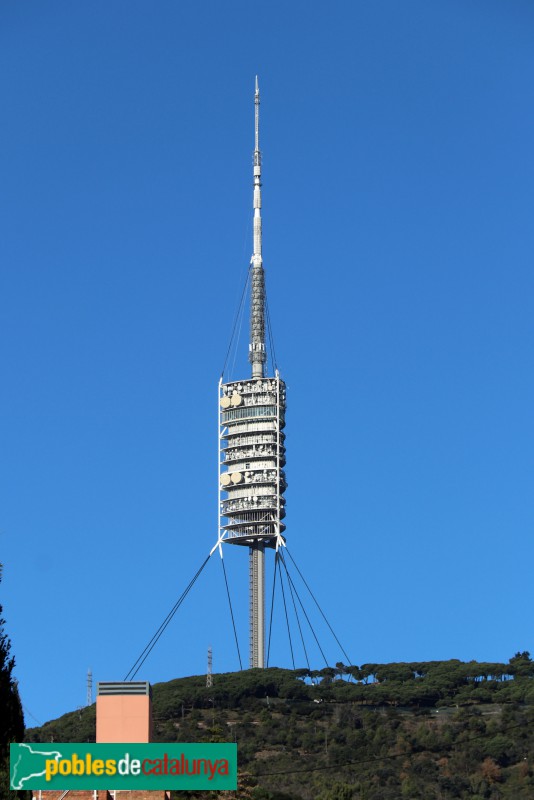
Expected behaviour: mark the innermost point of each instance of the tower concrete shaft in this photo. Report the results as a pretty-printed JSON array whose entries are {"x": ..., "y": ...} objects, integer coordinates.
[{"x": 257, "y": 605}]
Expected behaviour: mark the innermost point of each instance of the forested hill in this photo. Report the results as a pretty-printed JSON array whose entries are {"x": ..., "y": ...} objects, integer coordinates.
[{"x": 439, "y": 729}]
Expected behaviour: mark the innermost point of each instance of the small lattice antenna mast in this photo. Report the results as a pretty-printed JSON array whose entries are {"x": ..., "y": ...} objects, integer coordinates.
[
  {"x": 209, "y": 678},
  {"x": 89, "y": 687}
]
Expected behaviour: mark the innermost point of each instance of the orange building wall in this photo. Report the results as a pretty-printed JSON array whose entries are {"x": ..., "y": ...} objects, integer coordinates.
[
  {"x": 119, "y": 718},
  {"x": 123, "y": 718}
]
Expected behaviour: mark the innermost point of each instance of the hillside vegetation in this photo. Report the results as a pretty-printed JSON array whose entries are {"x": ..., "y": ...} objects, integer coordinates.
[{"x": 434, "y": 730}]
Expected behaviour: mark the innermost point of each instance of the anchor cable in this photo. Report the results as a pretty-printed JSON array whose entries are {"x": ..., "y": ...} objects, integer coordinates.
[
  {"x": 319, "y": 607},
  {"x": 130, "y": 675},
  {"x": 270, "y": 335},
  {"x": 299, "y": 626},
  {"x": 287, "y": 618},
  {"x": 304, "y": 611},
  {"x": 231, "y": 614},
  {"x": 276, "y": 557},
  {"x": 238, "y": 316}
]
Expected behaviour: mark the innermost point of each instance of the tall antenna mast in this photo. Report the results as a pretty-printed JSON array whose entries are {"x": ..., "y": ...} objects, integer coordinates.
[{"x": 251, "y": 442}]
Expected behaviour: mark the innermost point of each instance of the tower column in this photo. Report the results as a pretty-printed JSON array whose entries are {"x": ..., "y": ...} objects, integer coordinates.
[{"x": 257, "y": 605}]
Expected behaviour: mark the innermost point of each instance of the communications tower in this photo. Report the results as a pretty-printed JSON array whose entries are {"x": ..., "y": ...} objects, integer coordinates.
[{"x": 251, "y": 441}]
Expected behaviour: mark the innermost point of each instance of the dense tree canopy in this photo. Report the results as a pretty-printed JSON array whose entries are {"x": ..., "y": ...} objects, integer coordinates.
[{"x": 439, "y": 730}]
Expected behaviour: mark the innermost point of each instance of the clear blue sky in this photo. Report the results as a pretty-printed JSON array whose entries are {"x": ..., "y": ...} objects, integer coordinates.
[{"x": 398, "y": 242}]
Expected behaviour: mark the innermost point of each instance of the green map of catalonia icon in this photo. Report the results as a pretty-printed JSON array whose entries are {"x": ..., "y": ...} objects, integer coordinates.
[{"x": 27, "y": 763}]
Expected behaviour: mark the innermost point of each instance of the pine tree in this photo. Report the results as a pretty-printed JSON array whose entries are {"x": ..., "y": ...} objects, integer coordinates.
[{"x": 11, "y": 716}]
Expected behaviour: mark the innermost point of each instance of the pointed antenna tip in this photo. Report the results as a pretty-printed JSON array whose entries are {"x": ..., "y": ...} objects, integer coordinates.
[{"x": 257, "y": 87}]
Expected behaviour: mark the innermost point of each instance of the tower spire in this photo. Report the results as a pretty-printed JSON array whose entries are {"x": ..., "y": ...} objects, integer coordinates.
[
  {"x": 257, "y": 355},
  {"x": 257, "y": 174}
]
